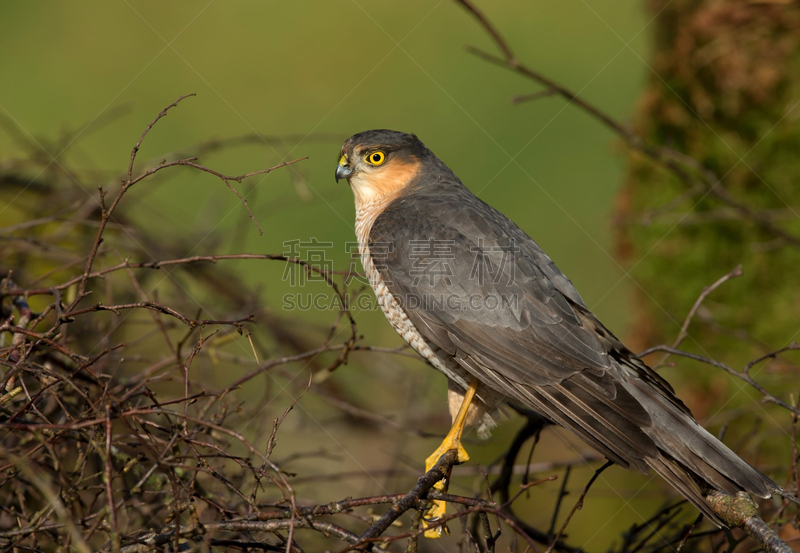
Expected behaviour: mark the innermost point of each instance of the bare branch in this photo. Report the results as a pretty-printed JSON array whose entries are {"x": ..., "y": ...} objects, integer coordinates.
[{"x": 685, "y": 168}]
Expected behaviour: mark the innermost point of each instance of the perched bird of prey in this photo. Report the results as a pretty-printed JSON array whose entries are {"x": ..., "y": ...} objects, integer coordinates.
[{"x": 481, "y": 302}]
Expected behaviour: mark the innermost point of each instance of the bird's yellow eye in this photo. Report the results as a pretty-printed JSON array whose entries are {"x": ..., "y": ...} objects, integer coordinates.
[{"x": 375, "y": 158}]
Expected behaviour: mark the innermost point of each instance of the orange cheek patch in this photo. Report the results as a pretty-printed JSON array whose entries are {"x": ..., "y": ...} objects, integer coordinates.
[{"x": 389, "y": 181}]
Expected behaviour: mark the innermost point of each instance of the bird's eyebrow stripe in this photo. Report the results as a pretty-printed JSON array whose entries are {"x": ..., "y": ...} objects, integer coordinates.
[{"x": 377, "y": 148}]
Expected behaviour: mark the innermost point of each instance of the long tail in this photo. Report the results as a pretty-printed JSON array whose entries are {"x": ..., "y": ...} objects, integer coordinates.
[
  {"x": 693, "y": 460},
  {"x": 638, "y": 422}
]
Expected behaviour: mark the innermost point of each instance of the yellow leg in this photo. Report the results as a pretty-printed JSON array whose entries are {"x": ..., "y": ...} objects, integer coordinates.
[{"x": 451, "y": 441}]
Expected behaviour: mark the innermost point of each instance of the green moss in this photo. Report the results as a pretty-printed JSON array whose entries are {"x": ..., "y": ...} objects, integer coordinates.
[{"x": 726, "y": 95}]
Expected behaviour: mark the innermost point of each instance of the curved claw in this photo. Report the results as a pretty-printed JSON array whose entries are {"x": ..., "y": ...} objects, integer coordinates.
[{"x": 434, "y": 513}]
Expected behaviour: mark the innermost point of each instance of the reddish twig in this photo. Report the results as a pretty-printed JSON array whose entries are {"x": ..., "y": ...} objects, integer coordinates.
[{"x": 687, "y": 169}]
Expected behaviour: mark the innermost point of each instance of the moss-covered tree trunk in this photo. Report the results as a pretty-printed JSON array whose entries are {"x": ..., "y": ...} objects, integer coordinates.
[{"x": 725, "y": 90}]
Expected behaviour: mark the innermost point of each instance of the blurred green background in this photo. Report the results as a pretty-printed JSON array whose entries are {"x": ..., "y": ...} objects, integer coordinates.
[
  {"x": 302, "y": 76},
  {"x": 310, "y": 68}
]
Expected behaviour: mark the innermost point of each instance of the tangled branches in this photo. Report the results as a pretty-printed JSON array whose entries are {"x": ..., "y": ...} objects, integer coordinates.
[
  {"x": 126, "y": 436},
  {"x": 96, "y": 441},
  {"x": 110, "y": 431}
]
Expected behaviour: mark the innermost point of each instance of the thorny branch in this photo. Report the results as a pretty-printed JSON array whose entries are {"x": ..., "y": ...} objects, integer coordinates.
[
  {"x": 697, "y": 178},
  {"x": 578, "y": 505},
  {"x": 102, "y": 452},
  {"x": 51, "y": 422},
  {"x": 743, "y": 374},
  {"x": 735, "y": 273},
  {"x": 108, "y": 451},
  {"x": 129, "y": 181},
  {"x": 686, "y": 169}
]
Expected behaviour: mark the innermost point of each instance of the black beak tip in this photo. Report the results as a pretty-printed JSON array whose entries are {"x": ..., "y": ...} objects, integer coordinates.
[{"x": 342, "y": 172}]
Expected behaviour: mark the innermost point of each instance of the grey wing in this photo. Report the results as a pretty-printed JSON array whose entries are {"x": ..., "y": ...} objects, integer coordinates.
[{"x": 480, "y": 289}]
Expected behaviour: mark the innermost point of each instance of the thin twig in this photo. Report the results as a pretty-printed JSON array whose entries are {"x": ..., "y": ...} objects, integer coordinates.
[
  {"x": 730, "y": 370},
  {"x": 687, "y": 169},
  {"x": 578, "y": 505}
]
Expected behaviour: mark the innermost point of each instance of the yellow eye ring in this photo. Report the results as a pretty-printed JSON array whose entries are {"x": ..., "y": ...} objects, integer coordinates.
[{"x": 375, "y": 158}]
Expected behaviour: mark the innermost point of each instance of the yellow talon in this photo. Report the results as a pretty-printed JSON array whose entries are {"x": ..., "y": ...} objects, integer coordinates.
[{"x": 451, "y": 441}]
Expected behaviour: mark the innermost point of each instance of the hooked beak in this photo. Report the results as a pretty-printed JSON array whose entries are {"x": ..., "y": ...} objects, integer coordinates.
[{"x": 343, "y": 170}]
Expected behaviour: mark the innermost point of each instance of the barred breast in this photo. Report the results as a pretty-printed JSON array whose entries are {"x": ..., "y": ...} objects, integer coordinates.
[{"x": 459, "y": 378}]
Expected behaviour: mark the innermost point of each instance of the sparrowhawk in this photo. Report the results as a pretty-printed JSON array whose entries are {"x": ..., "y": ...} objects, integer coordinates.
[{"x": 475, "y": 296}]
